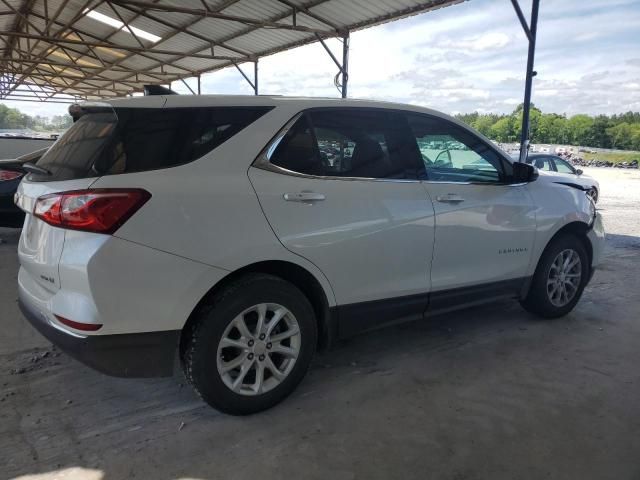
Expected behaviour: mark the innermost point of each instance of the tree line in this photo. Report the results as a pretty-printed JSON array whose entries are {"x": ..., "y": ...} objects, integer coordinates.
[
  {"x": 12, "y": 118},
  {"x": 604, "y": 131}
]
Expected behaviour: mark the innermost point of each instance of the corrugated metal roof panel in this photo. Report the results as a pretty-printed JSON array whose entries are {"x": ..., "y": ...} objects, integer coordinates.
[{"x": 186, "y": 30}]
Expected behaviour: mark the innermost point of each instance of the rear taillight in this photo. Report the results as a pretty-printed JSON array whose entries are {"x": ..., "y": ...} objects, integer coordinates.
[
  {"x": 100, "y": 210},
  {"x": 6, "y": 175},
  {"x": 87, "y": 327}
]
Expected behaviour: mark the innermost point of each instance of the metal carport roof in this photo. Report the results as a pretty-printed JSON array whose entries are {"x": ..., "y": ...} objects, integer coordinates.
[{"x": 57, "y": 50}]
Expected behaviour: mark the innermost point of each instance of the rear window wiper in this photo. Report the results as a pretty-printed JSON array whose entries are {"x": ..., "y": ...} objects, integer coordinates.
[{"x": 33, "y": 168}]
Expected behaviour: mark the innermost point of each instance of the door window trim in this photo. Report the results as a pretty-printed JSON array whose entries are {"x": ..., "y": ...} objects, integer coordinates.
[{"x": 263, "y": 161}]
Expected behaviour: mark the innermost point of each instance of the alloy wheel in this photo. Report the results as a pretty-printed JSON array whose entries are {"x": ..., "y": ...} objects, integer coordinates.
[
  {"x": 258, "y": 349},
  {"x": 563, "y": 280}
]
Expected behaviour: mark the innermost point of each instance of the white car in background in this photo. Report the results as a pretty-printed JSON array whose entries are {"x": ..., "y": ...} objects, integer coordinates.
[
  {"x": 562, "y": 171},
  {"x": 213, "y": 229}
]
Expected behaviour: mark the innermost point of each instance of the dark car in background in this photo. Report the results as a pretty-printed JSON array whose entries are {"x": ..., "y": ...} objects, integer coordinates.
[{"x": 11, "y": 173}]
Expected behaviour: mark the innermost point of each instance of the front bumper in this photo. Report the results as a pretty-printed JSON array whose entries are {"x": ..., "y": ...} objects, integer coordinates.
[
  {"x": 149, "y": 354},
  {"x": 596, "y": 236}
]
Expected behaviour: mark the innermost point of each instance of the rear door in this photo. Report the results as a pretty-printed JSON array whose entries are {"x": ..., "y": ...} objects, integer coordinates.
[
  {"x": 340, "y": 189},
  {"x": 485, "y": 225}
]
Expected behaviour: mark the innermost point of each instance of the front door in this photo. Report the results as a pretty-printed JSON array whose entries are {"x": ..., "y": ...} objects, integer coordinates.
[{"x": 485, "y": 226}]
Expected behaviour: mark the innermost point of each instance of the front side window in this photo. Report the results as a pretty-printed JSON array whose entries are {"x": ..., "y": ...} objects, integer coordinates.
[
  {"x": 452, "y": 154},
  {"x": 563, "y": 167},
  {"x": 361, "y": 143},
  {"x": 542, "y": 163}
]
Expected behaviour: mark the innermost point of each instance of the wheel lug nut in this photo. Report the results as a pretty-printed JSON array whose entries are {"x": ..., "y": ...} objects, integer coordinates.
[
  {"x": 269, "y": 345},
  {"x": 250, "y": 356},
  {"x": 251, "y": 343},
  {"x": 261, "y": 357},
  {"x": 262, "y": 336}
]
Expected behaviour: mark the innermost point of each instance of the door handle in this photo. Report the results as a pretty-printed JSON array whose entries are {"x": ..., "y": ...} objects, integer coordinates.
[
  {"x": 450, "y": 198},
  {"x": 304, "y": 197}
]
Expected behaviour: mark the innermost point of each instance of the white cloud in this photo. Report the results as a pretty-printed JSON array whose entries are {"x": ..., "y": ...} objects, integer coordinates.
[{"x": 478, "y": 43}]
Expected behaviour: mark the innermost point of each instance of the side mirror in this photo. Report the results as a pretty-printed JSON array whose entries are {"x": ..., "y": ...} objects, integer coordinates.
[
  {"x": 579, "y": 172},
  {"x": 524, "y": 173}
]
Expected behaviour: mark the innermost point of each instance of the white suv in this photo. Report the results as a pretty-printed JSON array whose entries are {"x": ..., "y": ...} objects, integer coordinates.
[{"x": 240, "y": 234}]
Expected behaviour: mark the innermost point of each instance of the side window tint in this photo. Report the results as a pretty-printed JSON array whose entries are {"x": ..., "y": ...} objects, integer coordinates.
[
  {"x": 297, "y": 151},
  {"x": 563, "y": 167},
  {"x": 349, "y": 143},
  {"x": 542, "y": 163},
  {"x": 150, "y": 139},
  {"x": 452, "y": 154},
  {"x": 364, "y": 143}
]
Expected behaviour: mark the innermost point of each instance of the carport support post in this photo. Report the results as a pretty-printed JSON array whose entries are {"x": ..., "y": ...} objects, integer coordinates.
[
  {"x": 198, "y": 84},
  {"x": 345, "y": 64},
  {"x": 255, "y": 77},
  {"x": 530, "y": 30},
  {"x": 342, "y": 67}
]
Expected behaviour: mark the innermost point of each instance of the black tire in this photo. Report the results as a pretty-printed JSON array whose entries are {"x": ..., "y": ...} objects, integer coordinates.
[
  {"x": 199, "y": 357},
  {"x": 537, "y": 300}
]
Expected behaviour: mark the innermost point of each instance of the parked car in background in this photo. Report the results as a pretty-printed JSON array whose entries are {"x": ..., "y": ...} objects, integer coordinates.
[
  {"x": 216, "y": 230},
  {"x": 562, "y": 170},
  {"x": 11, "y": 173}
]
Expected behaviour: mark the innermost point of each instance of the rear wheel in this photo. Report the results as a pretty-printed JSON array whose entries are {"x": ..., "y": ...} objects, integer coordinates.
[
  {"x": 252, "y": 347},
  {"x": 560, "y": 278}
]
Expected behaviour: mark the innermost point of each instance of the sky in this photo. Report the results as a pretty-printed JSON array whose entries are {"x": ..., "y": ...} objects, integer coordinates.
[{"x": 465, "y": 58}]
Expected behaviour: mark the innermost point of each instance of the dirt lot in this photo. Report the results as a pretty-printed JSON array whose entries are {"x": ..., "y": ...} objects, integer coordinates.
[{"x": 487, "y": 393}]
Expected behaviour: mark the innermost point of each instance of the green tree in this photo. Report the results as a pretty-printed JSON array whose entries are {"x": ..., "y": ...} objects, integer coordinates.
[
  {"x": 483, "y": 124},
  {"x": 579, "y": 128},
  {"x": 621, "y": 135},
  {"x": 502, "y": 130}
]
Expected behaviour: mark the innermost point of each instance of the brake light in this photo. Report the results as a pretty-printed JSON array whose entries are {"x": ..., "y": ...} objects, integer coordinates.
[
  {"x": 102, "y": 210},
  {"x": 6, "y": 175},
  {"x": 87, "y": 327}
]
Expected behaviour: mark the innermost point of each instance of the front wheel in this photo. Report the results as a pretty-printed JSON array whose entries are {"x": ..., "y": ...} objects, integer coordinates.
[
  {"x": 560, "y": 278},
  {"x": 252, "y": 346}
]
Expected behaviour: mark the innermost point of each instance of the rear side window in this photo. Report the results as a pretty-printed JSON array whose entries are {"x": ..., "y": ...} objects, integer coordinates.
[
  {"x": 363, "y": 143},
  {"x": 125, "y": 140}
]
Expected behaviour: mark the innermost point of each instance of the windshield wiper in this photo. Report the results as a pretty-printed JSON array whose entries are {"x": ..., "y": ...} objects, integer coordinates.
[{"x": 33, "y": 168}]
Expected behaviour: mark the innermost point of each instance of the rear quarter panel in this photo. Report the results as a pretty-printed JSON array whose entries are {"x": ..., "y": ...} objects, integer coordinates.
[{"x": 207, "y": 210}]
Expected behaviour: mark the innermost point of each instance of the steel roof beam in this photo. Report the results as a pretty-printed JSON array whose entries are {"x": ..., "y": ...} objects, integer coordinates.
[
  {"x": 221, "y": 16},
  {"x": 58, "y": 41}
]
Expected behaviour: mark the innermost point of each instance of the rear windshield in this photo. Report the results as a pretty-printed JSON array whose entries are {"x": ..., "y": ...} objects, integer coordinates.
[{"x": 125, "y": 140}]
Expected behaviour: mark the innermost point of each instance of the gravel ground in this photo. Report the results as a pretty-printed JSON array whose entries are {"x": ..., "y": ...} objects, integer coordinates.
[{"x": 486, "y": 393}]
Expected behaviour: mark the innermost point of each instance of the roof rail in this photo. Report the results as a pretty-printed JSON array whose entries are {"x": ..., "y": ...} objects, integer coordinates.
[{"x": 157, "y": 90}]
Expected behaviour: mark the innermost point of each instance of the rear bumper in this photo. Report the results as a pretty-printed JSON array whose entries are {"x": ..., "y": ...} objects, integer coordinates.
[{"x": 149, "y": 354}]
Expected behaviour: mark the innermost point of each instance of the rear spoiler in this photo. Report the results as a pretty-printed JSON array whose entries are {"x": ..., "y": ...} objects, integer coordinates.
[
  {"x": 16, "y": 165},
  {"x": 157, "y": 90}
]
